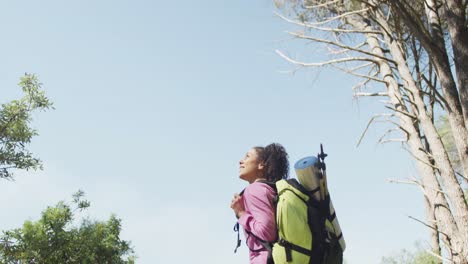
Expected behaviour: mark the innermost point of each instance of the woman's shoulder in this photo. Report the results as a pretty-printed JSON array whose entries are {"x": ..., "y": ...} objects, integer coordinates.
[{"x": 259, "y": 188}]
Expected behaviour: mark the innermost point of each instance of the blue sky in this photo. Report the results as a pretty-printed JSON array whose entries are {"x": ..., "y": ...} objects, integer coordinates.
[{"x": 156, "y": 102}]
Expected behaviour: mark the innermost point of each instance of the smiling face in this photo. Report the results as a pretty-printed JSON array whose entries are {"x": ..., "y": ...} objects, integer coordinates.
[{"x": 249, "y": 167}]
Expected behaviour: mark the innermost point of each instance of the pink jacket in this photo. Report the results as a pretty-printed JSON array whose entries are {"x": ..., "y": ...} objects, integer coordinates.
[{"x": 259, "y": 219}]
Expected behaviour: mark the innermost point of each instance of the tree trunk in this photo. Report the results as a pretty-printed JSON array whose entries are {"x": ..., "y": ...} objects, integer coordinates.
[
  {"x": 431, "y": 219},
  {"x": 436, "y": 49},
  {"x": 444, "y": 194},
  {"x": 455, "y": 15},
  {"x": 439, "y": 154},
  {"x": 445, "y": 220}
]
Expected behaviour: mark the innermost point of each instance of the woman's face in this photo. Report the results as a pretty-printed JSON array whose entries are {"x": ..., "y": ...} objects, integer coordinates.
[{"x": 249, "y": 167}]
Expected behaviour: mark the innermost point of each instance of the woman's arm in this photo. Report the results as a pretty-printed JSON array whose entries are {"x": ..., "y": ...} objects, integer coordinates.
[{"x": 259, "y": 216}]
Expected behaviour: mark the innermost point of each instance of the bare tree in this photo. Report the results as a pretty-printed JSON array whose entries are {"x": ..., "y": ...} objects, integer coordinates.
[{"x": 408, "y": 48}]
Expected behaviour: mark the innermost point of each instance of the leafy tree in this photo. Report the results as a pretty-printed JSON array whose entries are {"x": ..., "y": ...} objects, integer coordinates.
[
  {"x": 15, "y": 130},
  {"x": 419, "y": 256},
  {"x": 54, "y": 239}
]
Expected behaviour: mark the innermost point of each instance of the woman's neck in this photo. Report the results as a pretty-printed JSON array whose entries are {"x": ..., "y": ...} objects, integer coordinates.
[{"x": 259, "y": 179}]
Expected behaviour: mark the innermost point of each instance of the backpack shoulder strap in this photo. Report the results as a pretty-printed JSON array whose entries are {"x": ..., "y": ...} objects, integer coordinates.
[
  {"x": 301, "y": 188},
  {"x": 269, "y": 183},
  {"x": 267, "y": 245}
]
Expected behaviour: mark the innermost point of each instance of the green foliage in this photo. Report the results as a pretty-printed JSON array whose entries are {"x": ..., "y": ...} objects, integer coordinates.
[
  {"x": 445, "y": 132},
  {"x": 420, "y": 256},
  {"x": 53, "y": 239},
  {"x": 15, "y": 130}
]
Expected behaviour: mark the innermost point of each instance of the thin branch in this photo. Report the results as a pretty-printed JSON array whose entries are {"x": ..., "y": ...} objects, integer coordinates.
[
  {"x": 293, "y": 71},
  {"x": 367, "y": 80},
  {"x": 322, "y": 5},
  {"x": 367, "y": 127},
  {"x": 393, "y": 140},
  {"x": 382, "y": 41},
  {"x": 409, "y": 98},
  {"x": 402, "y": 112},
  {"x": 443, "y": 103},
  {"x": 361, "y": 84},
  {"x": 385, "y": 29},
  {"x": 303, "y": 36},
  {"x": 361, "y": 94},
  {"x": 340, "y": 16},
  {"x": 373, "y": 78},
  {"x": 424, "y": 187},
  {"x": 424, "y": 162},
  {"x": 427, "y": 225},
  {"x": 328, "y": 29},
  {"x": 447, "y": 243},
  {"x": 414, "y": 181},
  {"x": 395, "y": 123},
  {"x": 319, "y": 64},
  {"x": 439, "y": 257},
  {"x": 383, "y": 141},
  {"x": 362, "y": 66},
  {"x": 461, "y": 175},
  {"x": 411, "y": 182},
  {"x": 338, "y": 52},
  {"x": 401, "y": 128}
]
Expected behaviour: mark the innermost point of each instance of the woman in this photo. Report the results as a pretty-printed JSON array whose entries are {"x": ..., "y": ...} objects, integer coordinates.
[{"x": 255, "y": 209}]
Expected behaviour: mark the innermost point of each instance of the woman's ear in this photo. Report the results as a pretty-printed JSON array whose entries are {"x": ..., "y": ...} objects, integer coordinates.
[{"x": 261, "y": 166}]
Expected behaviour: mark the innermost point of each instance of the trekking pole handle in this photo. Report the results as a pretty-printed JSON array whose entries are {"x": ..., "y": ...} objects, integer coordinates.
[{"x": 322, "y": 155}]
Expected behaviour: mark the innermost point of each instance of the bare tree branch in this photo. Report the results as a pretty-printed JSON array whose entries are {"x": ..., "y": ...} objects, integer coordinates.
[
  {"x": 361, "y": 94},
  {"x": 461, "y": 175},
  {"x": 401, "y": 112},
  {"x": 341, "y": 51},
  {"x": 363, "y": 66},
  {"x": 361, "y": 84},
  {"x": 341, "y": 16},
  {"x": 427, "y": 225},
  {"x": 328, "y": 29},
  {"x": 303, "y": 36},
  {"x": 382, "y": 139},
  {"x": 443, "y": 103},
  {"x": 368, "y": 125},
  {"x": 424, "y": 162},
  {"x": 445, "y": 260},
  {"x": 319, "y": 64},
  {"x": 373, "y": 78},
  {"x": 411, "y": 182},
  {"x": 322, "y": 5}
]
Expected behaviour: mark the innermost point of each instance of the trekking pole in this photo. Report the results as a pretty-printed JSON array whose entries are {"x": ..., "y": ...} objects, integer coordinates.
[
  {"x": 330, "y": 208},
  {"x": 323, "y": 168}
]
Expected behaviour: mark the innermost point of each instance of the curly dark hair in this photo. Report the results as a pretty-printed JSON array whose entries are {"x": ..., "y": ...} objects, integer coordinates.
[{"x": 275, "y": 159}]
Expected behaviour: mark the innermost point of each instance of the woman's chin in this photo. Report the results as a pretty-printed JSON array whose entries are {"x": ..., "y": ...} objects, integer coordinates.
[{"x": 242, "y": 177}]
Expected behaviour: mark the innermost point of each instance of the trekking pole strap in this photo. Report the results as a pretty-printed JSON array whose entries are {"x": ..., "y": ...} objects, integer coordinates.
[
  {"x": 236, "y": 229},
  {"x": 288, "y": 246}
]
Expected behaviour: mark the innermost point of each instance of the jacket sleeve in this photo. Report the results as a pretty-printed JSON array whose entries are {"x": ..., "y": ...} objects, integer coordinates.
[{"x": 259, "y": 217}]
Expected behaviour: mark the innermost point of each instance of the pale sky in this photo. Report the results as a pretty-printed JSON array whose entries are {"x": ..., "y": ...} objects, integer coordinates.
[{"x": 157, "y": 101}]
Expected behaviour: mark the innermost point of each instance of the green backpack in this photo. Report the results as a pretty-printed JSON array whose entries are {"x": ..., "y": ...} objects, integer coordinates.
[{"x": 305, "y": 231}]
